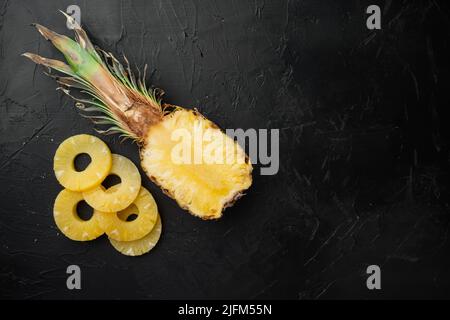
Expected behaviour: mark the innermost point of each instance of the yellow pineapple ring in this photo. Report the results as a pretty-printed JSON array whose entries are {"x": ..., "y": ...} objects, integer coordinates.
[
  {"x": 140, "y": 246},
  {"x": 95, "y": 172},
  {"x": 68, "y": 221},
  {"x": 118, "y": 198},
  {"x": 123, "y": 230}
]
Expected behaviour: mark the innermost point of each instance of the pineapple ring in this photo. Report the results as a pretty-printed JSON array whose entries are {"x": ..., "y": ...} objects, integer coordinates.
[
  {"x": 122, "y": 230},
  {"x": 68, "y": 221},
  {"x": 116, "y": 199},
  {"x": 95, "y": 172},
  {"x": 140, "y": 246}
]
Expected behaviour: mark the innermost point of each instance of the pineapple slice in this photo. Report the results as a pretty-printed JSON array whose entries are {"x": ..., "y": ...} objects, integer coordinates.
[
  {"x": 204, "y": 188},
  {"x": 68, "y": 221},
  {"x": 122, "y": 230},
  {"x": 95, "y": 172},
  {"x": 140, "y": 246},
  {"x": 116, "y": 199}
]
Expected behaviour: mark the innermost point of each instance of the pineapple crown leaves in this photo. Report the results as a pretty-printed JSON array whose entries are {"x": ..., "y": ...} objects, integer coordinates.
[{"x": 86, "y": 69}]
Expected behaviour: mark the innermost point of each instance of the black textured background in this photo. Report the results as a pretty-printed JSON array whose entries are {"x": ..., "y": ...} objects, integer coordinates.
[{"x": 364, "y": 140}]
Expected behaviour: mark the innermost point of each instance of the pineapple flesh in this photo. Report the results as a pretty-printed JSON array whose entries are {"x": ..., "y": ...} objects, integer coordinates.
[
  {"x": 97, "y": 170},
  {"x": 217, "y": 175},
  {"x": 116, "y": 199},
  {"x": 68, "y": 221}
]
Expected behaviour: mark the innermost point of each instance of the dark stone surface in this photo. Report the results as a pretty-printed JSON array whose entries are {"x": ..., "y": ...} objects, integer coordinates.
[{"x": 364, "y": 142}]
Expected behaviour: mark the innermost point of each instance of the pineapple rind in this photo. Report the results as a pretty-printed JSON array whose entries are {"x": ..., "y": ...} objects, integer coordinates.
[
  {"x": 68, "y": 221},
  {"x": 121, "y": 230},
  {"x": 205, "y": 190},
  {"x": 95, "y": 172},
  {"x": 116, "y": 199},
  {"x": 140, "y": 246}
]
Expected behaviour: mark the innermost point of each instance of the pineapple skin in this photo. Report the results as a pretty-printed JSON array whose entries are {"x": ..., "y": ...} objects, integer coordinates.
[{"x": 203, "y": 189}]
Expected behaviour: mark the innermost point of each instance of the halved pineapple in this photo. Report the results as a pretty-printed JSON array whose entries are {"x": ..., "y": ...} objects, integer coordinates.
[
  {"x": 204, "y": 188},
  {"x": 140, "y": 246},
  {"x": 122, "y": 230},
  {"x": 116, "y": 199},
  {"x": 95, "y": 172},
  {"x": 68, "y": 221}
]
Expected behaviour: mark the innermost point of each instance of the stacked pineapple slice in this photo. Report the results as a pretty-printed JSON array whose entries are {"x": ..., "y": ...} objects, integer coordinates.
[
  {"x": 68, "y": 221},
  {"x": 113, "y": 200},
  {"x": 112, "y": 207}
]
